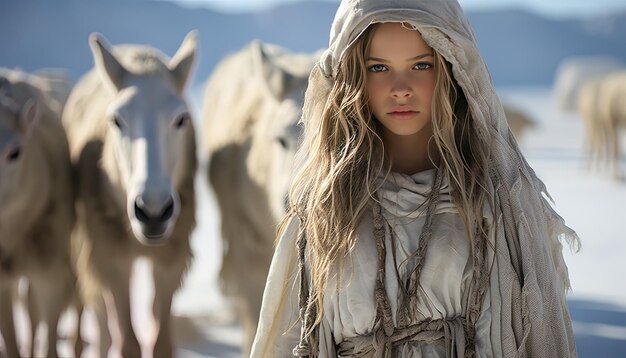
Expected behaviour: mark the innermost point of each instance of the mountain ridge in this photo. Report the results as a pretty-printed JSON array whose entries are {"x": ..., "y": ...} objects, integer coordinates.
[{"x": 520, "y": 47}]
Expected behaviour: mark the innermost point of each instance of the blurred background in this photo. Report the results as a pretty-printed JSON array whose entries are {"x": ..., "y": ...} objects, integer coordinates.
[{"x": 539, "y": 54}]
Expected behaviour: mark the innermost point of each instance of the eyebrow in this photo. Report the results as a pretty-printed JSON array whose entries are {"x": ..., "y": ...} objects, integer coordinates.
[{"x": 418, "y": 57}]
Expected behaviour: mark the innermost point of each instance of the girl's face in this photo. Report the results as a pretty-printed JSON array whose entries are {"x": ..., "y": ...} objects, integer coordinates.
[{"x": 400, "y": 80}]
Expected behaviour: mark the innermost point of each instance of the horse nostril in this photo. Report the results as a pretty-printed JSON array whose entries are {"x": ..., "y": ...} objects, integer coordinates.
[
  {"x": 140, "y": 214},
  {"x": 152, "y": 218},
  {"x": 167, "y": 211}
]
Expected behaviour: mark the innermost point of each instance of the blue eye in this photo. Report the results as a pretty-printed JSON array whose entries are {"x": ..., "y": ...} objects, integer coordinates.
[
  {"x": 377, "y": 68},
  {"x": 422, "y": 66}
]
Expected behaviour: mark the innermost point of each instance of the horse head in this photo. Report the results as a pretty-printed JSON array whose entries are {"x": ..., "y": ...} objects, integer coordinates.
[{"x": 150, "y": 128}]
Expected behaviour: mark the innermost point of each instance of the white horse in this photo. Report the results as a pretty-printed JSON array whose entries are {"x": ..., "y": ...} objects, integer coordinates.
[
  {"x": 37, "y": 205},
  {"x": 595, "y": 126},
  {"x": 602, "y": 106},
  {"x": 252, "y": 105},
  {"x": 574, "y": 72},
  {"x": 133, "y": 146}
]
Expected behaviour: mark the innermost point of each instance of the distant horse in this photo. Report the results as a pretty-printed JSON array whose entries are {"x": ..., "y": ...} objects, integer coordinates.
[
  {"x": 133, "y": 146},
  {"x": 572, "y": 73},
  {"x": 252, "y": 106},
  {"x": 602, "y": 106},
  {"x": 37, "y": 204},
  {"x": 595, "y": 126}
]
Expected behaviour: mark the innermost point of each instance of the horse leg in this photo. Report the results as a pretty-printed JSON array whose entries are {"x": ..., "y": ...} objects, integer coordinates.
[
  {"x": 596, "y": 144},
  {"x": 104, "y": 340},
  {"x": 52, "y": 319},
  {"x": 52, "y": 293},
  {"x": 7, "y": 327},
  {"x": 603, "y": 146},
  {"x": 249, "y": 312},
  {"x": 590, "y": 141},
  {"x": 118, "y": 281},
  {"x": 250, "y": 305},
  {"x": 614, "y": 151},
  {"x": 619, "y": 156},
  {"x": 33, "y": 316},
  {"x": 245, "y": 285},
  {"x": 78, "y": 339},
  {"x": 166, "y": 281}
]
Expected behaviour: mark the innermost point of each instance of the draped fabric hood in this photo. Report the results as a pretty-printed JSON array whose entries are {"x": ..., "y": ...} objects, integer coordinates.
[
  {"x": 354, "y": 16},
  {"x": 531, "y": 232}
]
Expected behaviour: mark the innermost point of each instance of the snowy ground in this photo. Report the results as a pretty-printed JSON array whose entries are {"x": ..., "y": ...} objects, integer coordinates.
[{"x": 590, "y": 202}]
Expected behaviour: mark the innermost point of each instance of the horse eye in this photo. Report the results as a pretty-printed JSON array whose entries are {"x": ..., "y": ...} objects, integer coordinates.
[
  {"x": 283, "y": 142},
  {"x": 14, "y": 154},
  {"x": 182, "y": 120},
  {"x": 117, "y": 121}
]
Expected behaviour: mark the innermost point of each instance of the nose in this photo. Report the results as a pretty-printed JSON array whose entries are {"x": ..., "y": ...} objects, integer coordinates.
[
  {"x": 154, "y": 214},
  {"x": 401, "y": 88}
]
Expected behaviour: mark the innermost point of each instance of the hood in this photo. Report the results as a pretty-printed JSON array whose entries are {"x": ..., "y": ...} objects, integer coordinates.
[{"x": 353, "y": 17}]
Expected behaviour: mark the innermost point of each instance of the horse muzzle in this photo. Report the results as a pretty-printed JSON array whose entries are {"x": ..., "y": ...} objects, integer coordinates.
[{"x": 153, "y": 223}]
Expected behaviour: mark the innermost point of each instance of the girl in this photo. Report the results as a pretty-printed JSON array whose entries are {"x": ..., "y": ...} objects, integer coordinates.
[{"x": 416, "y": 229}]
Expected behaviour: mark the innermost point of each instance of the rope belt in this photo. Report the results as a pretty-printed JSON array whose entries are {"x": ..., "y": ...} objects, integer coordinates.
[{"x": 379, "y": 345}]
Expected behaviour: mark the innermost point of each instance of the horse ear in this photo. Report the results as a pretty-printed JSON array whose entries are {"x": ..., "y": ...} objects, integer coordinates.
[
  {"x": 108, "y": 67},
  {"x": 28, "y": 114},
  {"x": 276, "y": 80},
  {"x": 182, "y": 62}
]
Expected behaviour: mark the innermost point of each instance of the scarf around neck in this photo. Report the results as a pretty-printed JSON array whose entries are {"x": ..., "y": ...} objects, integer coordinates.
[{"x": 403, "y": 195}]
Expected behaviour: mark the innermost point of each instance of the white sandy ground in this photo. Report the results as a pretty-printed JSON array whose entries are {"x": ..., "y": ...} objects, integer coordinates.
[{"x": 591, "y": 203}]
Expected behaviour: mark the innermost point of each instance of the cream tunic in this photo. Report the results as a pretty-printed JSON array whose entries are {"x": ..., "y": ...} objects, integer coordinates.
[{"x": 351, "y": 311}]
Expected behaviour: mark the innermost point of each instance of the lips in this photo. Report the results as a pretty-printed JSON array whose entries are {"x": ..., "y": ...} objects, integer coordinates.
[{"x": 402, "y": 113}]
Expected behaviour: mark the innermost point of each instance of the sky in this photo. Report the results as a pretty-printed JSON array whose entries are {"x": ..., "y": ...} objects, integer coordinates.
[{"x": 556, "y": 8}]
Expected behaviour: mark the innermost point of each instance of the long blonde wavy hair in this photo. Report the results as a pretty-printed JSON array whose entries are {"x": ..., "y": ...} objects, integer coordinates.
[{"x": 345, "y": 163}]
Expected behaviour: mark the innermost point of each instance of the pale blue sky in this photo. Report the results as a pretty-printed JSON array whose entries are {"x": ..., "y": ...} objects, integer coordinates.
[{"x": 557, "y": 8}]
